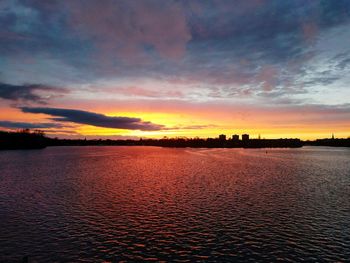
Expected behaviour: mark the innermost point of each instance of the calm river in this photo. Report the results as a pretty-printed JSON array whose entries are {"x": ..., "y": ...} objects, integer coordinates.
[{"x": 109, "y": 204}]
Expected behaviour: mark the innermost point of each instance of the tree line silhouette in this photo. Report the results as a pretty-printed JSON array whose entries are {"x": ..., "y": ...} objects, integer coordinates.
[
  {"x": 23, "y": 139},
  {"x": 36, "y": 139}
]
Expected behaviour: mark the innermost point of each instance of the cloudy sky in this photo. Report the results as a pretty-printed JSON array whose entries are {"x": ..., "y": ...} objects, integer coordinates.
[{"x": 154, "y": 68}]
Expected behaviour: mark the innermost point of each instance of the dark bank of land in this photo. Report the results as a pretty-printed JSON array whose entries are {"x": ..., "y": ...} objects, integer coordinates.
[
  {"x": 26, "y": 139},
  {"x": 23, "y": 139},
  {"x": 329, "y": 142}
]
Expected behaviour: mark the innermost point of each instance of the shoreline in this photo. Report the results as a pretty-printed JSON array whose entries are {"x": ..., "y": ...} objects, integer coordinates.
[
  {"x": 37, "y": 140},
  {"x": 182, "y": 147}
]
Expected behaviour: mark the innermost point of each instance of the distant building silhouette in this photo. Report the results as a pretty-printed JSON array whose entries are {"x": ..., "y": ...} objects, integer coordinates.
[
  {"x": 26, "y": 139},
  {"x": 222, "y": 137},
  {"x": 245, "y": 137},
  {"x": 235, "y": 137}
]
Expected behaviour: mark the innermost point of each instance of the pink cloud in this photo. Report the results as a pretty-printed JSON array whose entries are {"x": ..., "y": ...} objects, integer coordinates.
[
  {"x": 146, "y": 92},
  {"x": 13, "y": 35},
  {"x": 268, "y": 77},
  {"x": 310, "y": 31},
  {"x": 123, "y": 28}
]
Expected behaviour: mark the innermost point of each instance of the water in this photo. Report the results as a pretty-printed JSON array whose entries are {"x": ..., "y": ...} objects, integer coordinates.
[{"x": 106, "y": 204}]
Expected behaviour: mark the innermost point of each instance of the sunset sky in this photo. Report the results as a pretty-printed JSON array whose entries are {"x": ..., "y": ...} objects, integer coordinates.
[{"x": 154, "y": 68}]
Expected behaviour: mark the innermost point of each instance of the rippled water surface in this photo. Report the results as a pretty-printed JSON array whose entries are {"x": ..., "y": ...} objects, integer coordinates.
[{"x": 106, "y": 204}]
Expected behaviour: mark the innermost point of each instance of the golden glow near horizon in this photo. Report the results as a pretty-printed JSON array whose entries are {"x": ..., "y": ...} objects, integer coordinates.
[
  {"x": 187, "y": 125},
  {"x": 180, "y": 124}
]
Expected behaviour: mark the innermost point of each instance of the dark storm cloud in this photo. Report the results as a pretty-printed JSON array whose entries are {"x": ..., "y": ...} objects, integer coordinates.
[
  {"x": 272, "y": 26},
  {"x": 107, "y": 27},
  {"x": 28, "y": 125},
  {"x": 28, "y": 92},
  {"x": 217, "y": 42},
  {"x": 94, "y": 119},
  {"x": 257, "y": 35}
]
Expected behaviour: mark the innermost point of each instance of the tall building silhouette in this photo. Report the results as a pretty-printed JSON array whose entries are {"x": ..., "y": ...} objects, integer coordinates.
[
  {"x": 222, "y": 137},
  {"x": 245, "y": 137},
  {"x": 235, "y": 137}
]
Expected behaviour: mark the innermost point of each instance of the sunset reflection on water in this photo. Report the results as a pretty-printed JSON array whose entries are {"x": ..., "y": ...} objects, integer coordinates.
[{"x": 136, "y": 203}]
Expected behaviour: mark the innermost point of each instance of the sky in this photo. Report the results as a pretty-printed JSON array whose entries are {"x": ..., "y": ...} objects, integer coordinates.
[{"x": 154, "y": 68}]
